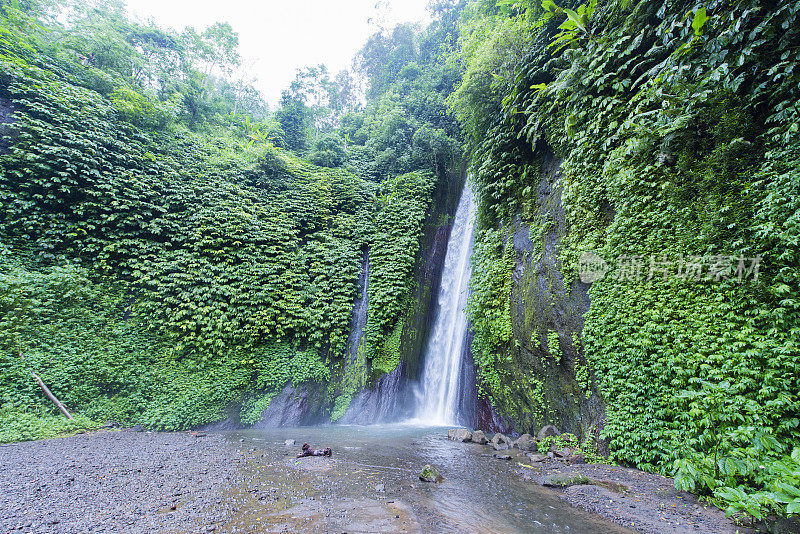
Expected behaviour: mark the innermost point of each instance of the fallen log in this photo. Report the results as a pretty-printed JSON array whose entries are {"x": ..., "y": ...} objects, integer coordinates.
[
  {"x": 51, "y": 396},
  {"x": 46, "y": 391}
]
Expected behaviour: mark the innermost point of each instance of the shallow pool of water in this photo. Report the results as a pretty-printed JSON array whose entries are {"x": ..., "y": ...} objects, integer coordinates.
[{"x": 371, "y": 484}]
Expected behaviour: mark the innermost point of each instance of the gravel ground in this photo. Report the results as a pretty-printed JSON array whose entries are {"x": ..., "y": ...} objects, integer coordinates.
[
  {"x": 115, "y": 481},
  {"x": 125, "y": 481},
  {"x": 643, "y": 501}
]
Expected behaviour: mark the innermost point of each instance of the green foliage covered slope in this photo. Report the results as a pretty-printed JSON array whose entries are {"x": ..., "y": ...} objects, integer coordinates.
[
  {"x": 677, "y": 127},
  {"x": 156, "y": 273}
]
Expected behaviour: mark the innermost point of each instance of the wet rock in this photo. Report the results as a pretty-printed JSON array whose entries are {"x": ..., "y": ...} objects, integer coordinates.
[
  {"x": 547, "y": 431},
  {"x": 537, "y": 457},
  {"x": 479, "y": 437},
  {"x": 501, "y": 439},
  {"x": 562, "y": 453},
  {"x": 499, "y": 446},
  {"x": 459, "y": 434},
  {"x": 525, "y": 443},
  {"x": 430, "y": 474},
  {"x": 502, "y": 456},
  {"x": 289, "y": 443},
  {"x": 562, "y": 480}
]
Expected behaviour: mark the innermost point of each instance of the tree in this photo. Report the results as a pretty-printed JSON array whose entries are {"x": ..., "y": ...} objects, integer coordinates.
[
  {"x": 384, "y": 55},
  {"x": 328, "y": 151},
  {"x": 295, "y": 119}
]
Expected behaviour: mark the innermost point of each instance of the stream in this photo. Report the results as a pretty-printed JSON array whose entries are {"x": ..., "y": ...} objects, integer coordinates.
[{"x": 371, "y": 484}]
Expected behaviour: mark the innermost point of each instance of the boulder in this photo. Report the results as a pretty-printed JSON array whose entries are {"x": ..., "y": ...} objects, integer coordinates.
[
  {"x": 499, "y": 446},
  {"x": 562, "y": 453},
  {"x": 547, "y": 431},
  {"x": 525, "y": 443},
  {"x": 562, "y": 480},
  {"x": 430, "y": 474},
  {"x": 502, "y": 438},
  {"x": 577, "y": 459},
  {"x": 479, "y": 437},
  {"x": 459, "y": 434},
  {"x": 537, "y": 457}
]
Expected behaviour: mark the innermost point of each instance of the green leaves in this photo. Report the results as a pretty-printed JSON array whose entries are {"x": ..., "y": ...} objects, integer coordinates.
[
  {"x": 699, "y": 20},
  {"x": 650, "y": 119}
]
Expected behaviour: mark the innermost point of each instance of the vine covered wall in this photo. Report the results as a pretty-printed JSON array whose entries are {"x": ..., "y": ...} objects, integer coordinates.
[
  {"x": 161, "y": 275},
  {"x": 676, "y": 125}
]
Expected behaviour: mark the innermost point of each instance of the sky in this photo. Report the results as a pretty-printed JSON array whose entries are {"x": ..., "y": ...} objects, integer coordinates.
[{"x": 277, "y": 37}]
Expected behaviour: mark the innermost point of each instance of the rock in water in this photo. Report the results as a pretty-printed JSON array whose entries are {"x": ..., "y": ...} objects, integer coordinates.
[
  {"x": 290, "y": 443},
  {"x": 547, "y": 431},
  {"x": 502, "y": 456},
  {"x": 430, "y": 474},
  {"x": 459, "y": 434},
  {"x": 525, "y": 443},
  {"x": 499, "y": 446},
  {"x": 537, "y": 457},
  {"x": 479, "y": 437}
]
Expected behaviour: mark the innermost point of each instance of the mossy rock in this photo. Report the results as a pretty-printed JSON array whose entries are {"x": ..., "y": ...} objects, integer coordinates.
[
  {"x": 430, "y": 474},
  {"x": 562, "y": 480}
]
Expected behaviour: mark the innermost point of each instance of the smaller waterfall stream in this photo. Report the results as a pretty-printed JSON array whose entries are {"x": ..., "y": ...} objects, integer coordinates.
[
  {"x": 359, "y": 310},
  {"x": 438, "y": 402}
]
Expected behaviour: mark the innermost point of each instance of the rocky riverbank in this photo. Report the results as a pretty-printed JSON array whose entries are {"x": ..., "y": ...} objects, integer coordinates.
[
  {"x": 642, "y": 501},
  {"x": 251, "y": 481}
]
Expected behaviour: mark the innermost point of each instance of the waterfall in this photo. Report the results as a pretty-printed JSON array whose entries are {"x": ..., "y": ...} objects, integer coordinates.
[
  {"x": 359, "y": 310},
  {"x": 438, "y": 395}
]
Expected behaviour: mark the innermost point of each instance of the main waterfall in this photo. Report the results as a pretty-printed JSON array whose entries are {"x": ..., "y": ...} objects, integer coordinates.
[{"x": 439, "y": 392}]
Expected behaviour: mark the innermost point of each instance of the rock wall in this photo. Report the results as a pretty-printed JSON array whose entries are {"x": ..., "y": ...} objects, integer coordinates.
[{"x": 543, "y": 302}]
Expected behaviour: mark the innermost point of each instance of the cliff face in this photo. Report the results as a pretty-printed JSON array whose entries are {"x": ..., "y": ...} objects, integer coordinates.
[
  {"x": 547, "y": 315},
  {"x": 677, "y": 181}
]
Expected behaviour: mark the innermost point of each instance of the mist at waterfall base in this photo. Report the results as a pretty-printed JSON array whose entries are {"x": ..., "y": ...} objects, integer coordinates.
[{"x": 437, "y": 395}]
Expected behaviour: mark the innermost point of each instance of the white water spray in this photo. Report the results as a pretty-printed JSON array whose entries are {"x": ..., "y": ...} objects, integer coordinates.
[{"x": 438, "y": 403}]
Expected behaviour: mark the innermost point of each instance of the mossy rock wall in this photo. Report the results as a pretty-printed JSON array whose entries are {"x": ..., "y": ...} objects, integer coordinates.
[{"x": 547, "y": 319}]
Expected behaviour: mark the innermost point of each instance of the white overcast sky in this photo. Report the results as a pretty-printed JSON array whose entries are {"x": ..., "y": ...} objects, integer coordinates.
[{"x": 276, "y": 37}]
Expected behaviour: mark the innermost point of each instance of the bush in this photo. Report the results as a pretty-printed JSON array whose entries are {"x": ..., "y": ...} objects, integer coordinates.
[{"x": 328, "y": 151}]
